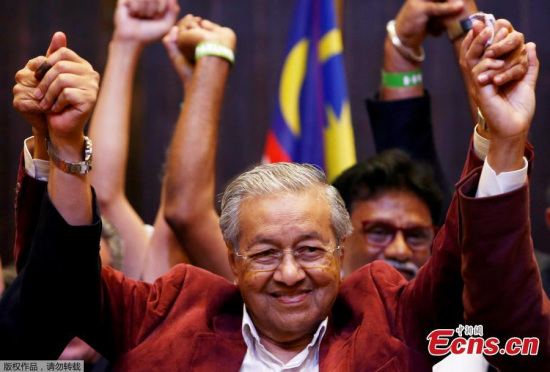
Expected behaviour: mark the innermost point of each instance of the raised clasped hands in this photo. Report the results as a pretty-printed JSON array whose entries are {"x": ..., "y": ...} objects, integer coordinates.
[
  {"x": 412, "y": 23},
  {"x": 61, "y": 103},
  {"x": 183, "y": 38},
  {"x": 503, "y": 88},
  {"x": 144, "y": 21}
]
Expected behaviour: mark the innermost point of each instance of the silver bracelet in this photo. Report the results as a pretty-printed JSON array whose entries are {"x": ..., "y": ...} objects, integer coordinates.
[
  {"x": 81, "y": 167},
  {"x": 405, "y": 51}
]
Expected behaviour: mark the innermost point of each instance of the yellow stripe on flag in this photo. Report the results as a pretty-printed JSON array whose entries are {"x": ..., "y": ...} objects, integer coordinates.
[
  {"x": 330, "y": 45},
  {"x": 292, "y": 78},
  {"x": 339, "y": 142}
]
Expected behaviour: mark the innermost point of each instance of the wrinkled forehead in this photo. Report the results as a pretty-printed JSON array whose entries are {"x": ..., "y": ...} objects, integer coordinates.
[{"x": 286, "y": 216}]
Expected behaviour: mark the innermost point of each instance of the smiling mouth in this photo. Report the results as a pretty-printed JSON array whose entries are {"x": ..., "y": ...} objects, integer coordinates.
[{"x": 290, "y": 297}]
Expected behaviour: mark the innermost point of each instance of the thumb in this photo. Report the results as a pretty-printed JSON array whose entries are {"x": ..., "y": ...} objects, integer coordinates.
[
  {"x": 59, "y": 40},
  {"x": 533, "y": 65},
  {"x": 170, "y": 43}
]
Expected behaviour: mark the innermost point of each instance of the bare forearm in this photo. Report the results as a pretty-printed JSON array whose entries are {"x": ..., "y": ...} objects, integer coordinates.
[
  {"x": 40, "y": 145},
  {"x": 110, "y": 125},
  {"x": 395, "y": 62},
  {"x": 190, "y": 176},
  {"x": 70, "y": 193},
  {"x": 506, "y": 155},
  {"x": 189, "y": 184}
]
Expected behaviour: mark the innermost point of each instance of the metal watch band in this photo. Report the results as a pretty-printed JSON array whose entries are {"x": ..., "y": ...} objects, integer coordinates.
[{"x": 81, "y": 167}]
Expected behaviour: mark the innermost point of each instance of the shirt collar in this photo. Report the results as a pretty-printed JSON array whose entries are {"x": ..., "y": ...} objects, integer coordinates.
[{"x": 254, "y": 344}]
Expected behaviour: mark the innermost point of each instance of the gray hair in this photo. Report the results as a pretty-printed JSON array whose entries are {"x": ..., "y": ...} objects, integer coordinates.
[{"x": 278, "y": 178}]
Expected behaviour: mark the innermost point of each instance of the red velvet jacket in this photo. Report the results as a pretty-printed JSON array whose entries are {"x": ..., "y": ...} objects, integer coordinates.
[{"x": 190, "y": 319}]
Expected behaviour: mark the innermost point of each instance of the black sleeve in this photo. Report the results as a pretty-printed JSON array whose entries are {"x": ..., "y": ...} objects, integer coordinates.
[
  {"x": 57, "y": 293},
  {"x": 406, "y": 124}
]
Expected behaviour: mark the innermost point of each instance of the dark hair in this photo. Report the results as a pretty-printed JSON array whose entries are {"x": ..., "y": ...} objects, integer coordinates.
[{"x": 391, "y": 170}]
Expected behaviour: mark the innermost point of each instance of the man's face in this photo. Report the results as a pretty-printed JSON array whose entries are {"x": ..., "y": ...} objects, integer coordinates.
[
  {"x": 376, "y": 235},
  {"x": 287, "y": 303}
]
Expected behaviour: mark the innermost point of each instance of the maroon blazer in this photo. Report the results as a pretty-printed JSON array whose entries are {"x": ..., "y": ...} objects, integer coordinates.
[{"x": 190, "y": 319}]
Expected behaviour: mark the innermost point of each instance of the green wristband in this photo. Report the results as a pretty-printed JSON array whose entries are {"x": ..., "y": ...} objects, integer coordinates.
[
  {"x": 211, "y": 48},
  {"x": 401, "y": 79}
]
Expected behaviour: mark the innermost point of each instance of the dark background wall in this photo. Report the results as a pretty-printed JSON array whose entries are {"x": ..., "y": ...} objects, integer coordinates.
[{"x": 262, "y": 27}]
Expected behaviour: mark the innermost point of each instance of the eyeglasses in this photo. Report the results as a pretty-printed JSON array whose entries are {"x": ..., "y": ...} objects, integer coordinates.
[
  {"x": 380, "y": 234},
  {"x": 269, "y": 259}
]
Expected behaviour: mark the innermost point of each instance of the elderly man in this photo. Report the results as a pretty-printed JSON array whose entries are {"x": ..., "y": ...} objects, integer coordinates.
[{"x": 285, "y": 229}]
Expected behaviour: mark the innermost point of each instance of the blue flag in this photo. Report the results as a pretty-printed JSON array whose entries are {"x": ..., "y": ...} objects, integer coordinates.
[{"x": 312, "y": 122}]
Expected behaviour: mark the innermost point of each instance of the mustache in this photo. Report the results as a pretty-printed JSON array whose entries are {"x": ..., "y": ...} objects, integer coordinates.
[{"x": 403, "y": 266}]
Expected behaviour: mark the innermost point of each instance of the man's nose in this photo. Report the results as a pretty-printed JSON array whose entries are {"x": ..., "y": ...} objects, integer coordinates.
[
  {"x": 289, "y": 270},
  {"x": 398, "y": 248}
]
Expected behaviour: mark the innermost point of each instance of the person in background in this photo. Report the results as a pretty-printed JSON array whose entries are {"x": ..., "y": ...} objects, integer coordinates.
[
  {"x": 393, "y": 203},
  {"x": 138, "y": 23}
]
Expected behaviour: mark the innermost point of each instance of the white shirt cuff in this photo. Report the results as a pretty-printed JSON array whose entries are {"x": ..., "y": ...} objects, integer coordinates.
[
  {"x": 491, "y": 184},
  {"x": 481, "y": 145},
  {"x": 36, "y": 168}
]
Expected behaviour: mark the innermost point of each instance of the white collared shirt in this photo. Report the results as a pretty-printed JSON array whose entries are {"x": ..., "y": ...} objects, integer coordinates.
[{"x": 259, "y": 359}]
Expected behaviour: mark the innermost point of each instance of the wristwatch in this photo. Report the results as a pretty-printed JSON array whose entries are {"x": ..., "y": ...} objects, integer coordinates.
[{"x": 81, "y": 167}]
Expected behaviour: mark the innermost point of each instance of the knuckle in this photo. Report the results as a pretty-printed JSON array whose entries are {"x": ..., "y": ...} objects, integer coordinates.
[
  {"x": 19, "y": 75},
  {"x": 17, "y": 104},
  {"x": 61, "y": 80},
  {"x": 95, "y": 78},
  {"x": 63, "y": 51},
  {"x": 61, "y": 66}
]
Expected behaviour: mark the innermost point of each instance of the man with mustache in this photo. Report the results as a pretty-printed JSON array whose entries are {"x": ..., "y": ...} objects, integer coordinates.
[{"x": 393, "y": 203}]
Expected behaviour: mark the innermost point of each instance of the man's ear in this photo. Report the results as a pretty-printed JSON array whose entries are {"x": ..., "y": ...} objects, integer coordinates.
[
  {"x": 232, "y": 262},
  {"x": 548, "y": 217},
  {"x": 342, "y": 245}
]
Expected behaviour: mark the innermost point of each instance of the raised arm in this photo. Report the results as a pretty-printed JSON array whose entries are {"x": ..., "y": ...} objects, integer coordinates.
[
  {"x": 137, "y": 24},
  {"x": 507, "y": 45},
  {"x": 189, "y": 193},
  {"x": 63, "y": 100},
  {"x": 519, "y": 308},
  {"x": 415, "y": 20},
  {"x": 400, "y": 116}
]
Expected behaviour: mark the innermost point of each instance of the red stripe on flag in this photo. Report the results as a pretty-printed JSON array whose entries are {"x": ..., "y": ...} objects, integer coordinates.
[{"x": 274, "y": 152}]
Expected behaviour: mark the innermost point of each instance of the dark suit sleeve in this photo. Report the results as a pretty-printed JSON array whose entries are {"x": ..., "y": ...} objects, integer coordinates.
[
  {"x": 28, "y": 199},
  {"x": 434, "y": 299},
  {"x": 57, "y": 294},
  {"x": 406, "y": 124},
  {"x": 482, "y": 266},
  {"x": 503, "y": 289}
]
